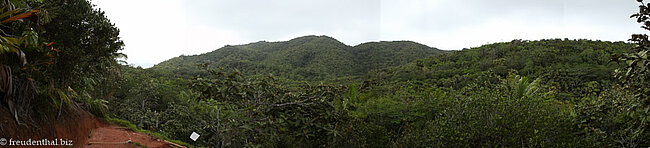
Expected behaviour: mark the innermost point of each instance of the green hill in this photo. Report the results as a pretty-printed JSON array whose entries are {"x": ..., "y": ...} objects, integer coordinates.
[
  {"x": 304, "y": 58},
  {"x": 569, "y": 66},
  {"x": 546, "y": 93}
]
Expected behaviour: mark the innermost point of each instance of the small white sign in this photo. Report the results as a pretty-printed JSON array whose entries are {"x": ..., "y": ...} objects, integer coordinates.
[{"x": 194, "y": 136}]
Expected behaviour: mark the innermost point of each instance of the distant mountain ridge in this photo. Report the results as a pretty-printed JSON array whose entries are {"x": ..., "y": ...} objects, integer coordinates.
[
  {"x": 303, "y": 58},
  {"x": 576, "y": 63}
]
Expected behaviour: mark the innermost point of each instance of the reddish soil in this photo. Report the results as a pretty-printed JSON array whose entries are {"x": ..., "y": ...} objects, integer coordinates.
[
  {"x": 75, "y": 125},
  {"x": 114, "y": 136}
]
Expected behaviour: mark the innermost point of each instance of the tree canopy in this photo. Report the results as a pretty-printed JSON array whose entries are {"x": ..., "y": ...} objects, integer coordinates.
[
  {"x": 62, "y": 56},
  {"x": 308, "y": 58}
]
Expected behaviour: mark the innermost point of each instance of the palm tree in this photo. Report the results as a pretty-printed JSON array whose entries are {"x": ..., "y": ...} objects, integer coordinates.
[{"x": 521, "y": 87}]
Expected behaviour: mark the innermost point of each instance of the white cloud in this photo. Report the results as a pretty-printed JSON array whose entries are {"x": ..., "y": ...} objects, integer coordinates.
[
  {"x": 202, "y": 39},
  {"x": 152, "y": 30},
  {"x": 156, "y": 30}
]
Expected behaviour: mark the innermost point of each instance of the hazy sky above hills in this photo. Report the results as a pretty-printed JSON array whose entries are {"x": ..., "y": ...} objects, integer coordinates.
[{"x": 157, "y": 30}]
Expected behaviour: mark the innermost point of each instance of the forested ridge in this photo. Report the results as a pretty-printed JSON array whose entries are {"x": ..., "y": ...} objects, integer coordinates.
[
  {"x": 310, "y": 58},
  {"x": 566, "y": 65},
  {"x": 63, "y": 58},
  {"x": 542, "y": 93}
]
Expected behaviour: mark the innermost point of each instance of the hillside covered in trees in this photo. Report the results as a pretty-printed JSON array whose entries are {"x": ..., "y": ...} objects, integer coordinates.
[
  {"x": 543, "y": 93},
  {"x": 304, "y": 58},
  {"x": 60, "y": 76}
]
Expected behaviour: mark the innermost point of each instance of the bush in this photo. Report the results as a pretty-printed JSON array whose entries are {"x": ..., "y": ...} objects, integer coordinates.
[{"x": 499, "y": 115}]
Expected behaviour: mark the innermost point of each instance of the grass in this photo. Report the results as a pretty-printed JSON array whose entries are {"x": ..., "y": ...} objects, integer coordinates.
[
  {"x": 139, "y": 145},
  {"x": 121, "y": 122},
  {"x": 132, "y": 127}
]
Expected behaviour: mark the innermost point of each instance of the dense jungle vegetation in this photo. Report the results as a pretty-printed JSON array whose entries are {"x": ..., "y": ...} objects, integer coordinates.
[
  {"x": 314, "y": 91},
  {"x": 308, "y": 58}
]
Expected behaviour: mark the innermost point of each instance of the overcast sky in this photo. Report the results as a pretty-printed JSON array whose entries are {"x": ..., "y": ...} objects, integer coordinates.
[{"x": 157, "y": 30}]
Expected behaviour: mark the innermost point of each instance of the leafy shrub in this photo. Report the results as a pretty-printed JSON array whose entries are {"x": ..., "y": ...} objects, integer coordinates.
[{"x": 500, "y": 115}]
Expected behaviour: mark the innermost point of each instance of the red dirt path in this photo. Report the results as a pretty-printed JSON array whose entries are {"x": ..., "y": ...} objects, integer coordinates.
[
  {"x": 77, "y": 125},
  {"x": 114, "y": 136}
]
